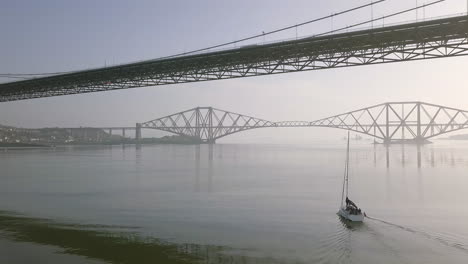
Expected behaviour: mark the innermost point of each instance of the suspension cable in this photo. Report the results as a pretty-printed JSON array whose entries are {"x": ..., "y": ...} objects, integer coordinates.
[
  {"x": 20, "y": 75},
  {"x": 26, "y": 75},
  {"x": 376, "y": 19},
  {"x": 274, "y": 31}
]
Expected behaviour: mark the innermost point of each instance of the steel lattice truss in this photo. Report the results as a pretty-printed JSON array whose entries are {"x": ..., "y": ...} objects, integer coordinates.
[
  {"x": 400, "y": 121},
  {"x": 292, "y": 124},
  {"x": 389, "y": 122},
  {"x": 206, "y": 123},
  {"x": 416, "y": 41}
]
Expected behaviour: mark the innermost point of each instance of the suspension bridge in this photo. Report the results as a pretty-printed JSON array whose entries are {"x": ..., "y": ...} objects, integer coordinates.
[{"x": 431, "y": 39}]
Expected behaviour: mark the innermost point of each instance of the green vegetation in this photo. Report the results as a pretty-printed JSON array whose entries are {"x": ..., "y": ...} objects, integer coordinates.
[
  {"x": 115, "y": 244},
  {"x": 88, "y": 241},
  {"x": 12, "y": 137}
]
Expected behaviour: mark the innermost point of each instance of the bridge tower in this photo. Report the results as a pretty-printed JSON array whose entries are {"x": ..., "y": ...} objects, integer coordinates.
[
  {"x": 210, "y": 139},
  {"x": 401, "y": 123},
  {"x": 206, "y": 124},
  {"x": 204, "y": 130},
  {"x": 388, "y": 137},
  {"x": 419, "y": 138}
]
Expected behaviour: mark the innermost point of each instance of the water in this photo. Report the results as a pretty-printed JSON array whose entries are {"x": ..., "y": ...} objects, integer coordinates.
[{"x": 232, "y": 203}]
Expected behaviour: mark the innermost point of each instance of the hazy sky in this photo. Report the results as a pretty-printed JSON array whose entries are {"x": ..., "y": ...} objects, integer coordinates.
[{"x": 50, "y": 36}]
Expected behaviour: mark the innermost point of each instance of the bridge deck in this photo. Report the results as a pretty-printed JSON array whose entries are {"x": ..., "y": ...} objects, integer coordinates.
[{"x": 422, "y": 40}]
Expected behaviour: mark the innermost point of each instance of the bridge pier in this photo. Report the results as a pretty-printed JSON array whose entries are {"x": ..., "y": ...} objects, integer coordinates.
[
  {"x": 416, "y": 141},
  {"x": 421, "y": 140},
  {"x": 387, "y": 141},
  {"x": 138, "y": 132},
  {"x": 209, "y": 142}
]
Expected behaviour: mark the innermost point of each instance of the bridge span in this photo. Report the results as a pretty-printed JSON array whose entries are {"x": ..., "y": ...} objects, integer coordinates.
[
  {"x": 438, "y": 38},
  {"x": 392, "y": 122}
]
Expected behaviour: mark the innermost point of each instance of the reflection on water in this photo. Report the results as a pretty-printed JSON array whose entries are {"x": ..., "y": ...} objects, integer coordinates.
[
  {"x": 203, "y": 170},
  {"x": 430, "y": 235},
  {"x": 239, "y": 203},
  {"x": 416, "y": 155}
]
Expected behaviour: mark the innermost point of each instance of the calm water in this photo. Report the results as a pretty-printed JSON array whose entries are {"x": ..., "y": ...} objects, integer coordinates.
[{"x": 234, "y": 204}]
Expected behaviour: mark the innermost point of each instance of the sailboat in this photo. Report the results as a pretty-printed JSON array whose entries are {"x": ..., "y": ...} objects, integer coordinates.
[{"x": 348, "y": 209}]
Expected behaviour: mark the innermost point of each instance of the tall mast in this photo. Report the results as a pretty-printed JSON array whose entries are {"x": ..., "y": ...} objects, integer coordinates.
[
  {"x": 345, "y": 176},
  {"x": 344, "y": 182},
  {"x": 347, "y": 166}
]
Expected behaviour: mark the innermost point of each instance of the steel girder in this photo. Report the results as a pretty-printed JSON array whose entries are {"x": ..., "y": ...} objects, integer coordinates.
[
  {"x": 400, "y": 121},
  {"x": 389, "y": 122},
  {"x": 206, "y": 123},
  {"x": 439, "y": 38},
  {"x": 292, "y": 124}
]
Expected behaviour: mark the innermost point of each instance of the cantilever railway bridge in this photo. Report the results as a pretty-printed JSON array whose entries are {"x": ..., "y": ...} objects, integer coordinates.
[
  {"x": 438, "y": 38},
  {"x": 388, "y": 122}
]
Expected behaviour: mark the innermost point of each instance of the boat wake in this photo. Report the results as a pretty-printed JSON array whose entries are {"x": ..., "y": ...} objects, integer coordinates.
[
  {"x": 450, "y": 242},
  {"x": 335, "y": 248}
]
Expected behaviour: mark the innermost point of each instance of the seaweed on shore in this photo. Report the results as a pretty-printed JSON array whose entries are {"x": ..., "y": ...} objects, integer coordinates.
[{"x": 113, "y": 247}]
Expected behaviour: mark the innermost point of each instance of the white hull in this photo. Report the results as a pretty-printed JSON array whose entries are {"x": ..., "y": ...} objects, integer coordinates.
[{"x": 351, "y": 217}]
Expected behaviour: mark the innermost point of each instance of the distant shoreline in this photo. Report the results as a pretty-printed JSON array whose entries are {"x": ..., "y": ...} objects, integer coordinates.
[
  {"x": 456, "y": 137},
  {"x": 6, "y": 146},
  {"x": 22, "y": 145}
]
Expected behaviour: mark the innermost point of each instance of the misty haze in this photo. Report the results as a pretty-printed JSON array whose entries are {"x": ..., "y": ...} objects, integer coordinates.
[{"x": 233, "y": 131}]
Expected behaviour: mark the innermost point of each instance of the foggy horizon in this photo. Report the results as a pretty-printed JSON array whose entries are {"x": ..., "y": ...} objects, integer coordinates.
[
  {"x": 64, "y": 41},
  {"x": 187, "y": 161}
]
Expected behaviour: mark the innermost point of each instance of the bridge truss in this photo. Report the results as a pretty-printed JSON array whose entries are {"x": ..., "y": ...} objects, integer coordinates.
[
  {"x": 400, "y": 121},
  {"x": 206, "y": 124},
  {"x": 389, "y": 122},
  {"x": 439, "y": 38}
]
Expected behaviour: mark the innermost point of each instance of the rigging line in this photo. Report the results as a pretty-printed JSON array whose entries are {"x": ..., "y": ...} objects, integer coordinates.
[
  {"x": 347, "y": 167},
  {"x": 376, "y": 19},
  {"x": 274, "y": 31}
]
